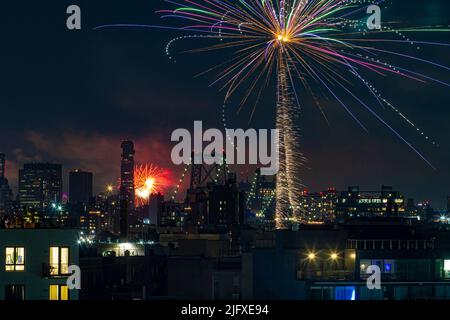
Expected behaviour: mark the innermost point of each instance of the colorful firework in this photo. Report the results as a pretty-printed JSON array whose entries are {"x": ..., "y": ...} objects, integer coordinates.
[
  {"x": 148, "y": 180},
  {"x": 322, "y": 47}
]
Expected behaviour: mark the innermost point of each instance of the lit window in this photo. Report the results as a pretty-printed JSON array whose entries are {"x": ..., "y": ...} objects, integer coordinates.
[
  {"x": 389, "y": 266},
  {"x": 58, "y": 292},
  {"x": 15, "y": 259},
  {"x": 446, "y": 269},
  {"x": 345, "y": 293},
  {"x": 64, "y": 292},
  {"x": 363, "y": 265},
  {"x": 59, "y": 261},
  {"x": 53, "y": 292},
  {"x": 446, "y": 265}
]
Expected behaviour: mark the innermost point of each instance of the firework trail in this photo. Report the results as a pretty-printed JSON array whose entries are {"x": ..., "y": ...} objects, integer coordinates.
[
  {"x": 322, "y": 47},
  {"x": 288, "y": 182}
]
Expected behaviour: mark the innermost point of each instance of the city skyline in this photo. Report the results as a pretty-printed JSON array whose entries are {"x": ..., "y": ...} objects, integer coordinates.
[
  {"x": 83, "y": 182},
  {"x": 114, "y": 97},
  {"x": 224, "y": 158}
]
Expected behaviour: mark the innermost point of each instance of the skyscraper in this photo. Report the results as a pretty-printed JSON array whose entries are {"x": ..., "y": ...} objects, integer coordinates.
[
  {"x": 40, "y": 185},
  {"x": 80, "y": 186},
  {"x": 2, "y": 165},
  {"x": 225, "y": 209},
  {"x": 126, "y": 194},
  {"x": 127, "y": 174},
  {"x": 5, "y": 190}
]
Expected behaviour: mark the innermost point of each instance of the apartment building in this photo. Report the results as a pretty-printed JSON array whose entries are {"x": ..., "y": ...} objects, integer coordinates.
[{"x": 34, "y": 263}]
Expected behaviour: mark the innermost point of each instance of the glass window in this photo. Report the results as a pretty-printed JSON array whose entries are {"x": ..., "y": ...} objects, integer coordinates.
[
  {"x": 15, "y": 259},
  {"x": 446, "y": 265},
  {"x": 446, "y": 269},
  {"x": 64, "y": 293},
  {"x": 9, "y": 261},
  {"x": 15, "y": 292},
  {"x": 345, "y": 293},
  {"x": 364, "y": 264},
  {"x": 389, "y": 266},
  {"x": 53, "y": 292},
  {"x": 58, "y": 292},
  {"x": 59, "y": 261},
  {"x": 54, "y": 261},
  {"x": 64, "y": 260}
]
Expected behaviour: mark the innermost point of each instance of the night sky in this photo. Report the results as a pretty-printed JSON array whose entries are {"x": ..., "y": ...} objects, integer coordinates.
[{"x": 72, "y": 96}]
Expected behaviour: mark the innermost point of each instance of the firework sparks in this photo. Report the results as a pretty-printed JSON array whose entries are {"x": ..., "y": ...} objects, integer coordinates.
[
  {"x": 317, "y": 46},
  {"x": 148, "y": 180}
]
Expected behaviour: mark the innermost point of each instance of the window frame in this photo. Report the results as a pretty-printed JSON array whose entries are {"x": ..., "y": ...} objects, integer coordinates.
[
  {"x": 445, "y": 273},
  {"x": 59, "y": 292},
  {"x": 16, "y": 285},
  {"x": 60, "y": 264},
  {"x": 14, "y": 265}
]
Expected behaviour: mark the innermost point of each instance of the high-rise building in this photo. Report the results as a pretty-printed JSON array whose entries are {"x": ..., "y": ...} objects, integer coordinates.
[
  {"x": 106, "y": 205},
  {"x": 40, "y": 185},
  {"x": 127, "y": 174},
  {"x": 126, "y": 192},
  {"x": 357, "y": 203},
  {"x": 411, "y": 208},
  {"x": 2, "y": 165},
  {"x": 173, "y": 214},
  {"x": 5, "y": 190},
  {"x": 261, "y": 198},
  {"x": 319, "y": 207},
  {"x": 80, "y": 187},
  {"x": 225, "y": 209}
]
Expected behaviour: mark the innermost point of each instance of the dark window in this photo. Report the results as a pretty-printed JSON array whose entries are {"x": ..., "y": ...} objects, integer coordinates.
[{"x": 14, "y": 292}]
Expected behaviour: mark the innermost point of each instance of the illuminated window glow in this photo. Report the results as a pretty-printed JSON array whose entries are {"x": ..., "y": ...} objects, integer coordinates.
[
  {"x": 446, "y": 265},
  {"x": 53, "y": 292},
  {"x": 15, "y": 259},
  {"x": 59, "y": 261},
  {"x": 58, "y": 292}
]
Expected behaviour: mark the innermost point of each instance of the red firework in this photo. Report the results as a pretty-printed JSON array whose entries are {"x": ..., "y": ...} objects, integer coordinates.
[{"x": 149, "y": 179}]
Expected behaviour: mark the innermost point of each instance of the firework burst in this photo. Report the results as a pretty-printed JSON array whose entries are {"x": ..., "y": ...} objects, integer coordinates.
[
  {"x": 320, "y": 47},
  {"x": 148, "y": 180}
]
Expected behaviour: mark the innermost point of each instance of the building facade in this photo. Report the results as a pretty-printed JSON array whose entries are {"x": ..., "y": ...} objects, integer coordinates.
[
  {"x": 40, "y": 185},
  {"x": 127, "y": 174},
  {"x": 35, "y": 263},
  {"x": 80, "y": 187},
  {"x": 332, "y": 263},
  {"x": 319, "y": 207},
  {"x": 358, "y": 203},
  {"x": 5, "y": 190}
]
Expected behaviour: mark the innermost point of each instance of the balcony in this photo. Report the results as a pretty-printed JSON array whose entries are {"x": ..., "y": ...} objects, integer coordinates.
[
  {"x": 328, "y": 275},
  {"x": 53, "y": 272},
  {"x": 391, "y": 244}
]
